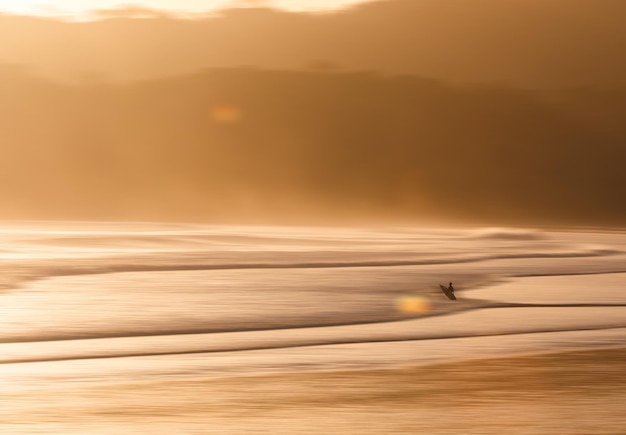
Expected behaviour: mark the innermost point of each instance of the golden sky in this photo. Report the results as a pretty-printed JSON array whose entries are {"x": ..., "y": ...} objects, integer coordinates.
[{"x": 77, "y": 8}]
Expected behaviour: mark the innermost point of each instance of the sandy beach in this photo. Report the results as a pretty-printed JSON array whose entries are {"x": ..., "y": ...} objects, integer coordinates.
[
  {"x": 235, "y": 330},
  {"x": 561, "y": 393}
]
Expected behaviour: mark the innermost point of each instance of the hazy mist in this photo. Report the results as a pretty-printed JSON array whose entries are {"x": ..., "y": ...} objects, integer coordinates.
[
  {"x": 524, "y": 43},
  {"x": 406, "y": 110}
]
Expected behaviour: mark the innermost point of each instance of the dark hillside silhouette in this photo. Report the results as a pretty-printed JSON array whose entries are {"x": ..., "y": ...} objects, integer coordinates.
[
  {"x": 523, "y": 43},
  {"x": 250, "y": 144}
]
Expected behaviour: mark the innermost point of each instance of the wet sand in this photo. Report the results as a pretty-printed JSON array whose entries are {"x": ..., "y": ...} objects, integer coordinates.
[
  {"x": 316, "y": 339},
  {"x": 581, "y": 392}
]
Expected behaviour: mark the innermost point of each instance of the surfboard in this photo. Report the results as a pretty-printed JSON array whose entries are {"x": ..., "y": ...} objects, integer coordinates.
[{"x": 447, "y": 292}]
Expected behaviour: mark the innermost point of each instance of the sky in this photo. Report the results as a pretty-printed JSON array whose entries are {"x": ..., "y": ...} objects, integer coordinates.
[{"x": 79, "y": 8}]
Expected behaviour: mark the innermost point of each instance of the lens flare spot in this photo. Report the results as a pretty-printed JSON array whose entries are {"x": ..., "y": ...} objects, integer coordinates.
[
  {"x": 413, "y": 304},
  {"x": 225, "y": 114}
]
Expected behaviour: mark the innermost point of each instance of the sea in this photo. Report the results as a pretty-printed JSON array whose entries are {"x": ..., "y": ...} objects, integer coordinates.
[{"x": 96, "y": 318}]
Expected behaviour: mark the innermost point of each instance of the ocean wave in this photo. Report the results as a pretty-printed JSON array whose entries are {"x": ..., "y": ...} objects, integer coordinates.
[
  {"x": 19, "y": 272},
  {"x": 387, "y": 269},
  {"x": 286, "y": 260},
  {"x": 185, "y": 343},
  {"x": 507, "y": 234}
]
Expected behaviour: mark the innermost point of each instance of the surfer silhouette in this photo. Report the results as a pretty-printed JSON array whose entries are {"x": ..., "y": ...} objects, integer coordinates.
[{"x": 448, "y": 291}]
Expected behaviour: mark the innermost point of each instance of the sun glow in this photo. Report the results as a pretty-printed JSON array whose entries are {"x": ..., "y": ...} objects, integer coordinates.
[
  {"x": 85, "y": 8},
  {"x": 17, "y": 6},
  {"x": 413, "y": 304}
]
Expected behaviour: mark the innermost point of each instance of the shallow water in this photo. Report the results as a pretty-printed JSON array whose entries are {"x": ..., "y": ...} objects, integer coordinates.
[{"x": 89, "y": 306}]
